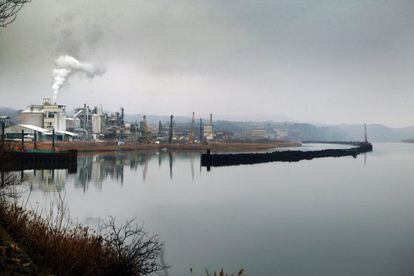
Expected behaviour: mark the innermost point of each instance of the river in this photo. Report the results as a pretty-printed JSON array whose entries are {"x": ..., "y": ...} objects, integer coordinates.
[{"x": 329, "y": 216}]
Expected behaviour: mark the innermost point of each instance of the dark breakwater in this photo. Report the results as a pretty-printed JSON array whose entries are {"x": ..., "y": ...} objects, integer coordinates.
[
  {"x": 20, "y": 160},
  {"x": 216, "y": 160}
]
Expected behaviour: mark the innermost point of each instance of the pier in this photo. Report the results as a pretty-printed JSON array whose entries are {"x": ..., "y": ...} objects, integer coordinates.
[
  {"x": 21, "y": 160},
  {"x": 216, "y": 160}
]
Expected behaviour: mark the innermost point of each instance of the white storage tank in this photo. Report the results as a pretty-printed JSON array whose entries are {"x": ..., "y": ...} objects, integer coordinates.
[{"x": 34, "y": 118}]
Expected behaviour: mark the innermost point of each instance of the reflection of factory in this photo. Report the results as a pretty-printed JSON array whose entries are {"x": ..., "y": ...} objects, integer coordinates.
[
  {"x": 46, "y": 180},
  {"x": 96, "y": 169}
]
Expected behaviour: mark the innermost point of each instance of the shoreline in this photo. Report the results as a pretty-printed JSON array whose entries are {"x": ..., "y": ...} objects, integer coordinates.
[{"x": 82, "y": 147}]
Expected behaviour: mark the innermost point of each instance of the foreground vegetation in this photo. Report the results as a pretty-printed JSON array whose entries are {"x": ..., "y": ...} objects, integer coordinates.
[{"x": 64, "y": 249}]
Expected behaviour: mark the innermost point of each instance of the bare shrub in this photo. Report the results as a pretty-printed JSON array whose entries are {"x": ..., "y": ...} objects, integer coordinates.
[
  {"x": 61, "y": 248},
  {"x": 221, "y": 272},
  {"x": 134, "y": 251}
]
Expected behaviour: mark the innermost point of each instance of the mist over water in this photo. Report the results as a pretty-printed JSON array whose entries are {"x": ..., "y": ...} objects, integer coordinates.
[{"x": 330, "y": 216}]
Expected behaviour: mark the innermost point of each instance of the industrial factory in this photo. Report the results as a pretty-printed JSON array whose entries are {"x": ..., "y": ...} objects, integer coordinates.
[{"x": 47, "y": 121}]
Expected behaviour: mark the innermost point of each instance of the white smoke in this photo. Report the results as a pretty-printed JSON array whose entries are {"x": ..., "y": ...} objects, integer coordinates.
[{"x": 66, "y": 66}]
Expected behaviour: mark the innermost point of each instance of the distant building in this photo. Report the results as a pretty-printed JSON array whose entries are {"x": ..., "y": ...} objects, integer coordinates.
[
  {"x": 208, "y": 129},
  {"x": 257, "y": 133}
]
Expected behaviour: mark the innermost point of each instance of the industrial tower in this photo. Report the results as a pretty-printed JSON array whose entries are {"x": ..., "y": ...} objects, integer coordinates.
[
  {"x": 170, "y": 133},
  {"x": 191, "y": 136}
]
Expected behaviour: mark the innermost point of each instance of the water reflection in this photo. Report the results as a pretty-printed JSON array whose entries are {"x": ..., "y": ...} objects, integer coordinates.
[
  {"x": 265, "y": 218},
  {"x": 95, "y": 169}
]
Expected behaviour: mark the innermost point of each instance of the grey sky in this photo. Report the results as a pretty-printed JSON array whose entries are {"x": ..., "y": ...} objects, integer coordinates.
[{"x": 316, "y": 61}]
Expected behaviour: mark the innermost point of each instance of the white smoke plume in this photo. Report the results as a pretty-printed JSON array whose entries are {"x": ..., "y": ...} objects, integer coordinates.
[{"x": 68, "y": 65}]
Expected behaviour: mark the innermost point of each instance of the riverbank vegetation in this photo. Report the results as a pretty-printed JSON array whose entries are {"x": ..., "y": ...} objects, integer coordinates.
[{"x": 61, "y": 248}]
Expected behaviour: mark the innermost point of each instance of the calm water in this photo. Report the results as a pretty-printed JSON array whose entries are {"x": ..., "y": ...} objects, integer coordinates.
[{"x": 332, "y": 216}]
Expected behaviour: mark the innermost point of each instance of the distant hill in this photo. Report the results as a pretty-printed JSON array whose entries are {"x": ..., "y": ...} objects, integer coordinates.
[
  {"x": 378, "y": 133},
  {"x": 13, "y": 113}
]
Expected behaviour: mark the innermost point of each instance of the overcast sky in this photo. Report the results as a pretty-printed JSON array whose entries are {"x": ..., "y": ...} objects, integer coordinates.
[{"x": 347, "y": 61}]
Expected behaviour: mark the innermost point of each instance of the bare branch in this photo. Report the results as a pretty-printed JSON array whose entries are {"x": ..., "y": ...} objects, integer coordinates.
[
  {"x": 9, "y": 10},
  {"x": 135, "y": 252}
]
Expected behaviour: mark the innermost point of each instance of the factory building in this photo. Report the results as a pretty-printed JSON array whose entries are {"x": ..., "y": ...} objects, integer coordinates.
[
  {"x": 54, "y": 116},
  {"x": 47, "y": 116},
  {"x": 85, "y": 123},
  {"x": 32, "y": 132},
  {"x": 15, "y": 132}
]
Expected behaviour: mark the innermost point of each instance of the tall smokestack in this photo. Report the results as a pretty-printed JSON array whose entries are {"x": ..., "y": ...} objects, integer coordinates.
[
  {"x": 170, "y": 134},
  {"x": 201, "y": 130},
  {"x": 192, "y": 130},
  {"x": 211, "y": 119},
  {"x": 122, "y": 117},
  {"x": 159, "y": 127}
]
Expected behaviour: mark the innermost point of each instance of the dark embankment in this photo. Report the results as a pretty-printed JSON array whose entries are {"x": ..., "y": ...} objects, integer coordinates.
[
  {"x": 38, "y": 160},
  {"x": 217, "y": 160}
]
